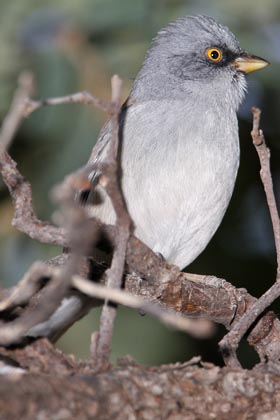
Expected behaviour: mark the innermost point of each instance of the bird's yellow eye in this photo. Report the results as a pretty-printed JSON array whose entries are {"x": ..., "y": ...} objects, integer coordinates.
[{"x": 214, "y": 54}]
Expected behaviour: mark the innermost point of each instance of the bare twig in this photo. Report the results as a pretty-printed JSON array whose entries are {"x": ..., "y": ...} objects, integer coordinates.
[
  {"x": 14, "y": 331},
  {"x": 265, "y": 173},
  {"x": 80, "y": 234},
  {"x": 26, "y": 287},
  {"x": 78, "y": 227},
  {"x": 230, "y": 342},
  {"x": 55, "y": 291},
  {"x": 195, "y": 296},
  {"x": 16, "y": 113},
  {"x": 167, "y": 317},
  {"x": 24, "y": 218},
  {"x": 85, "y": 98},
  {"x": 111, "y": 183}
]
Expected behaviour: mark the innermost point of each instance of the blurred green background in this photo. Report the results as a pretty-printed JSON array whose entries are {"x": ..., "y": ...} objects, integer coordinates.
[{"x": 73, "y": 45}]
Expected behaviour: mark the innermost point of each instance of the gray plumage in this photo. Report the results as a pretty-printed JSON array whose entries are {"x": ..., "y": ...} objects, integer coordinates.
[{"x": 180, "y": 146}]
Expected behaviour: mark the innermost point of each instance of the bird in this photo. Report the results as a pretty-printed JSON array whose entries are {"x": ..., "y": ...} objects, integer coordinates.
[
  {"x": 179, "y": 138},
  {"x": 179, "y": 146}
]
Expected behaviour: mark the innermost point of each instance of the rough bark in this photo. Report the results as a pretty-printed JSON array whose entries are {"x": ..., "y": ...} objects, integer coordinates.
[{"x": 55, "y": 386}]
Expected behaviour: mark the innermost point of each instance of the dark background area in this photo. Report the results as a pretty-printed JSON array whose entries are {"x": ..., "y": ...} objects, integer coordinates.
[{"x": 74, "y": 45}]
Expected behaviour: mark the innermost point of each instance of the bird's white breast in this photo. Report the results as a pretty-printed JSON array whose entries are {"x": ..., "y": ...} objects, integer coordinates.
[{"x": 178, "y": 175}]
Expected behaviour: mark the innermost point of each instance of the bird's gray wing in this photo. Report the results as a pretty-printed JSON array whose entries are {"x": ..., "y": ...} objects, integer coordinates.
[
  {"x": 100, "y": 148},
  {"x": 98, "y": 153}
]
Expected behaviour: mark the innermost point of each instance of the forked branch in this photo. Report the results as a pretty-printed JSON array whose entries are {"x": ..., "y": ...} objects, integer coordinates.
[{"x": 230, "y": 342}]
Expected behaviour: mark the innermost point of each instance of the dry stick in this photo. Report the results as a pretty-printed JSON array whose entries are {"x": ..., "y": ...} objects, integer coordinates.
[
  {"x": 208, "y": 297},
  {"x": 31, "y": 283},
  {"x": 102, "y": 342},
  {"x": 24, "y": 218},
  {"x": 81, "y": 232},
  {"x": 167, "y": 317},
  {"x": 76, "y": 98},
  {"x": 109, "y": 178},
  {"x": 26, "y": 287},
  {"x": 12, "y": 332},
  {"x": 230, "y": 342},
  {"x": 57, "y": 289},
  {"x": 265, "y": 174},
  {"x": 16, "y": 113}
]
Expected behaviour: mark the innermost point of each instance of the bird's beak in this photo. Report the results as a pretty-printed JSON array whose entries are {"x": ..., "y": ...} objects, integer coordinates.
[{"x": 248, "y": 63}]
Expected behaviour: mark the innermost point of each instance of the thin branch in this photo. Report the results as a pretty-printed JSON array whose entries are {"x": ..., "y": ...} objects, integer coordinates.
[
  {"x": 110, "y": 181},
  {"x": 167, "y": 317},
  {"x": 84, "y": 98},
  {"x": 79, "y": 226},
  {"x": 230, "y": 342},
  {"x": 81, "y": 233},
  {"x": 24, "y": 218},
  {"x": 205, "y": 297},
  {"x": 26, "y": 287},
  {"x": 14, "y": 331},
  {"x": 16, "y": 114},
  {"x": 265, "y": 173}
]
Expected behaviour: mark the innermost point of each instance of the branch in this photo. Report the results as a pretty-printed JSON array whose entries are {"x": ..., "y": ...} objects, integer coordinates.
[
  {"x": 61, "y": 388},
  {"x": 110, "y": 181},
  {"x": 167, "y": 317},
  {"x": 14, "y": 118},
  {"x": 84, "y": 98},
  {"x": 230, "y": 342},
  {"x": 24, "y": 218},
  {"x": 81, "y": 231},
  {"x": 27, "y": 287},
  {"x": 265, "y": 174},
  {"x": 195, "y": 296}
]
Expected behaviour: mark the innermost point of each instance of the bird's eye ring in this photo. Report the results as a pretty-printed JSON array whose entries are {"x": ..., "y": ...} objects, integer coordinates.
[{"x": 214, "y": 54}]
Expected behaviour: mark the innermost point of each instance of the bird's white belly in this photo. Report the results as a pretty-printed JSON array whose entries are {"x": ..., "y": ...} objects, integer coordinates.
[
  {"x": 180, "y": 216},
  {"x": 177, "y": 189}
]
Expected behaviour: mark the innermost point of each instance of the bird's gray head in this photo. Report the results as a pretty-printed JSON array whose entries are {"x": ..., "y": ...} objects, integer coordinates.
[{"x": 195, "y": 55}]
